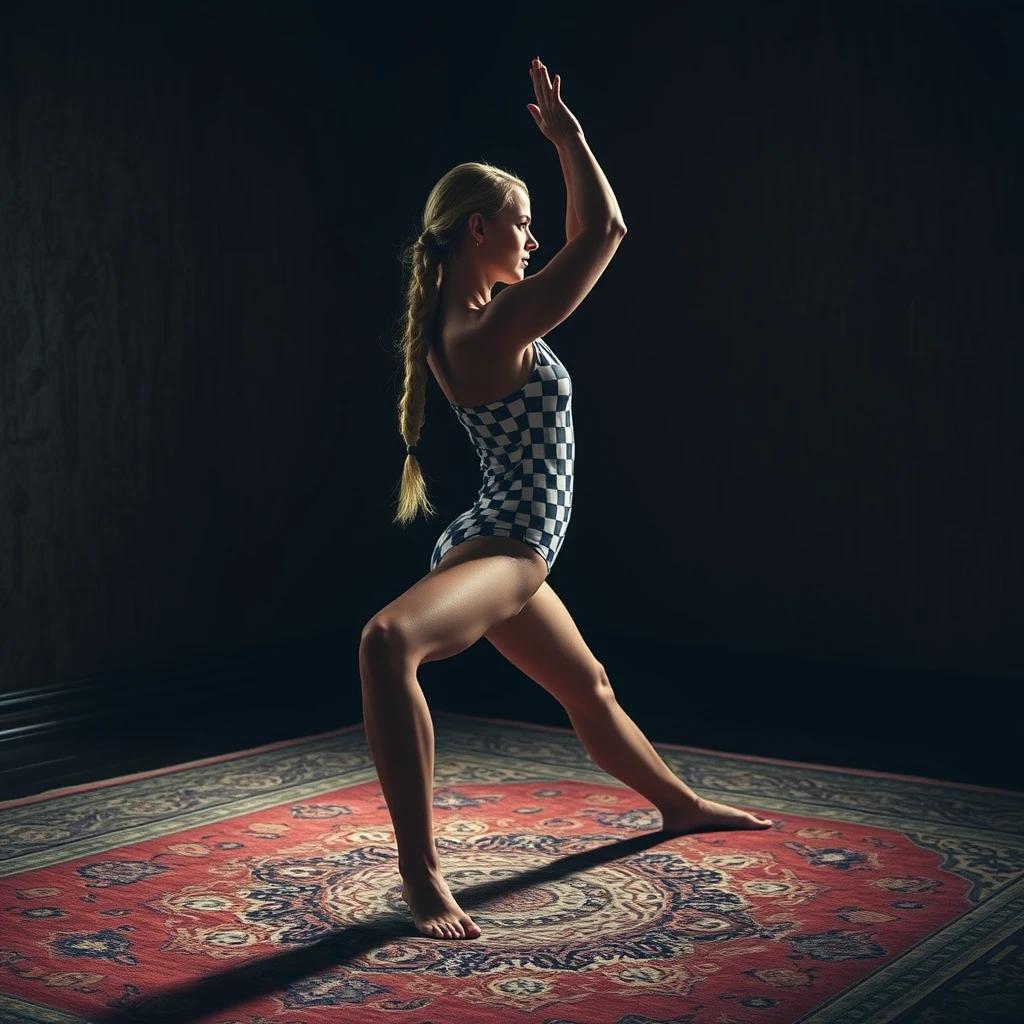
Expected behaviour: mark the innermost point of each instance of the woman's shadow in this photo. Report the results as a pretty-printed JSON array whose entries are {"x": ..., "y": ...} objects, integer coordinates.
[{"x": 186, "y": 1002}]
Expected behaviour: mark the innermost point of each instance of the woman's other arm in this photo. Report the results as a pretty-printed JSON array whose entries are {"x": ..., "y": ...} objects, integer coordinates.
[
  {"x": 589, "y": 197},
  {"x": 572, "y": 220}
]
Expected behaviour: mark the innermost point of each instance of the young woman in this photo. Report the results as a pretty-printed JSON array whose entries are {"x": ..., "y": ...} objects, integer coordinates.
[{"x": 488, "y": 569}]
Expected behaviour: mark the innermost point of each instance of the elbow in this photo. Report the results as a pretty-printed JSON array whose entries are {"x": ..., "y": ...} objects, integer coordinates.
[{"x": 609, "y": 226}]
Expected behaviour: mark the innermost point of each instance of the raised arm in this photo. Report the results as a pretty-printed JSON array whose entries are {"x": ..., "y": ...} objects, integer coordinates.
[
  {"x": 529, "y": 308},
  {"x": 589, "y": 195},
  {"x": 572, "y": 221}
]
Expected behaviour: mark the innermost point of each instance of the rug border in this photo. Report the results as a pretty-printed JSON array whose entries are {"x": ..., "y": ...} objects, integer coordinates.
[
  {"x": 763, "y": 759},
  {"x": 116, "y": 780}
]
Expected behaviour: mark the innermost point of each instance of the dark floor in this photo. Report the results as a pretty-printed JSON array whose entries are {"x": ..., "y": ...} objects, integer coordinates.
[
  {"x": 111, "y": 747},
  {"x": 953, "y": 728}
]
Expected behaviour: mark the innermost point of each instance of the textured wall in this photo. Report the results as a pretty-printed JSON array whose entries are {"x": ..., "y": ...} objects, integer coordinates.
[
  {"x": 816, "y": 434},
  {"x": 798, "y": 386},
  {"x": 167, "y": 342}
]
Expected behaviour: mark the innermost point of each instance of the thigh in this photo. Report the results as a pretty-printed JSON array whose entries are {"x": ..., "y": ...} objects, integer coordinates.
[
  {"x": 544, "y": 642},
  {"x": 477, "y": 583}
]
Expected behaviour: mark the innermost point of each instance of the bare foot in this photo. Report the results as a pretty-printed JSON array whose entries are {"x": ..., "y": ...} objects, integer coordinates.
[
  {"x": 708, "y": 816},
  {"x": 434, "y": 910}
]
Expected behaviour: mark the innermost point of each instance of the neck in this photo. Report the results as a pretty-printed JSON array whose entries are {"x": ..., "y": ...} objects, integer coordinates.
[{"x": 464, "y": 287}]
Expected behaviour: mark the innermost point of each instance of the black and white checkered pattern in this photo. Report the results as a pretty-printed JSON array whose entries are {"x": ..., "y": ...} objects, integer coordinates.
[{"x": 526, "y": 452}]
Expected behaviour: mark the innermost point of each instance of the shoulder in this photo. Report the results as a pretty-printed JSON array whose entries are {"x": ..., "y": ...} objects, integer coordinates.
[
  {"x": 447, "y": 354},
  {"x": 472, "y": 372}
]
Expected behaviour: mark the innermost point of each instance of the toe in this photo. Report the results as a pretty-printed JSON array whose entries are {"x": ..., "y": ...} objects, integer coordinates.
[{"x": 471, "y": 928}]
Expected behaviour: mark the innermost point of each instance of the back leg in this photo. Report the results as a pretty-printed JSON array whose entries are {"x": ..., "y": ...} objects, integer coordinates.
[
  {"x": 544, "y": 643},
  {"x": 442, "y": 614}
]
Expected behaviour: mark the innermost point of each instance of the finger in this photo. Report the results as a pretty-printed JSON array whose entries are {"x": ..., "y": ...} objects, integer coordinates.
[
  {"x": 543, "y": 99},
  {"x": 536, "y": 84},
  {"x": 541, "y": 79}
]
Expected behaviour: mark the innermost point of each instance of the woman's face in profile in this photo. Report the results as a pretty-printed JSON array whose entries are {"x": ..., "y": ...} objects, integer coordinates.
[{"x": 511, "y": 240}]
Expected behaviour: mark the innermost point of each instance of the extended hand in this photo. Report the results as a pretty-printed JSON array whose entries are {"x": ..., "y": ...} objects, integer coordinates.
[{"x": 553, "y": 117}]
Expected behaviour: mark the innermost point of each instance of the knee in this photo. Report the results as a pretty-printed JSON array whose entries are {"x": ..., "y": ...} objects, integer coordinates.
[
  {"x": 382, "y": 637},
  {"x": 602, "y": 684},
  {"x": 593, "y": 690}
]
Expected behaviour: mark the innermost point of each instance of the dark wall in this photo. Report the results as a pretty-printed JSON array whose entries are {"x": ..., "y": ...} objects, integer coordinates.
[{"x": 797, "y": 386}]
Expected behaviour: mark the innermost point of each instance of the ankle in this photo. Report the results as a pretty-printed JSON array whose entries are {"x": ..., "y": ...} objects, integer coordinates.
[
  {"x": 683, "y": 803},
  {"x": 413, "y": 868}
]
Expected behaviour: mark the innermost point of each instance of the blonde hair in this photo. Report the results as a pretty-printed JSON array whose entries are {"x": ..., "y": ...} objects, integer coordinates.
[{"x": 466, "y": 189}]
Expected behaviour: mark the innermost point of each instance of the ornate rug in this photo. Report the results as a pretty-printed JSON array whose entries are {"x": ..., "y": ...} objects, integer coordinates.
[{"x": 261, "y": 887}]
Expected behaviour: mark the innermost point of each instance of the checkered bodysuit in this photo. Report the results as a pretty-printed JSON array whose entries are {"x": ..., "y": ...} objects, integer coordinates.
[{"x": 526, "y": 451}]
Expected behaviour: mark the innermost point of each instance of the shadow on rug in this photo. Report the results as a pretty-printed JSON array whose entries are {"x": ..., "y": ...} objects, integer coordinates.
[{"x": 262, "y": 887}]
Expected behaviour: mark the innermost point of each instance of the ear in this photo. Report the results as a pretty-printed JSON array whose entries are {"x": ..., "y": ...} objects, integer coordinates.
[{"x": 475, "y": 226}]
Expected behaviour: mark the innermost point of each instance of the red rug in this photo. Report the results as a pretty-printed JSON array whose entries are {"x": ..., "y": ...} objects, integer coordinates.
[{"x": 262, "y": 887}]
